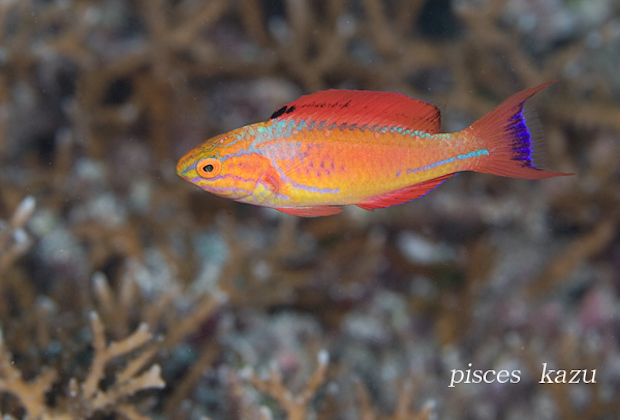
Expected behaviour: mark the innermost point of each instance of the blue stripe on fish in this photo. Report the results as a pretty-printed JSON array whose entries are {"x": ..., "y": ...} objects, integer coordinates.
[{"x": 449, "y": 160}]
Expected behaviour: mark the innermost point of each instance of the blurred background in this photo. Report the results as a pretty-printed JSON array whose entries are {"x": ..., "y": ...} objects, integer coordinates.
[{"x": 253, "y": 314}]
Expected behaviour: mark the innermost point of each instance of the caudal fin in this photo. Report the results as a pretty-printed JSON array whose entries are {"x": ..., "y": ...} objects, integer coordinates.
[{"x": 505, "y": 134}]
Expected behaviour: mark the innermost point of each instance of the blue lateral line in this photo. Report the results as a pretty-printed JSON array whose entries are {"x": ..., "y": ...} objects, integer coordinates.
[{"x": 449, "y": 160}]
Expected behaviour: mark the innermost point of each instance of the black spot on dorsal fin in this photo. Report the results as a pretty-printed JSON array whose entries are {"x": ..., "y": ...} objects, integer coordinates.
[
  {"x": 284, "y": 110},
  {"x": 278, "y": 113}
]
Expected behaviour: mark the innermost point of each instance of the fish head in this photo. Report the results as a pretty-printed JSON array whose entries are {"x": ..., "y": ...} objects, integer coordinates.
[{"x": 226, "y": 166}]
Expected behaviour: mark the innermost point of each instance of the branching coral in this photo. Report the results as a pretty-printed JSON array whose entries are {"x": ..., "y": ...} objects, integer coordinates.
[
  {"x": 14, "y": 241},
  {"x": 127, "y": 381},
  {"x": 295, "y": 405},
  {"x": 290, "y": 271},
  {"x": 87, "y": 397},
  {"x": 592, "y": 401},
  {"x": 30, "y": 393},
  {"x": 403, "y": 411},
  {"x": 98, "y": 99}
]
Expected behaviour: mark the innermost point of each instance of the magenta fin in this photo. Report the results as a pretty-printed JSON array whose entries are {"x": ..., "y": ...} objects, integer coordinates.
[
  {"x": 403, "y": 195},
  {"x": 310, "y": 211}
]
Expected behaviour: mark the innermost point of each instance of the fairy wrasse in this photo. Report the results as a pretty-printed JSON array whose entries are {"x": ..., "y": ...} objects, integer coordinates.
[{"x": 370, "y": 149}]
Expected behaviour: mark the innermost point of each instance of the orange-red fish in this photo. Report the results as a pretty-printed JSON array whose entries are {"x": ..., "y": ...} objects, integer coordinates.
[{"x": 371, "y": 149}]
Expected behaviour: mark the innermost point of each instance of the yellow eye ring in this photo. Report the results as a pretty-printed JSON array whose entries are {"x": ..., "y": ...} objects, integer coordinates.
[{"x": 208, "y": 167}]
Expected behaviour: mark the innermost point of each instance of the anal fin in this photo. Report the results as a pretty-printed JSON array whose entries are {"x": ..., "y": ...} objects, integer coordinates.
[
  {"x": 310, "y": 211},
  {"x": 403, "y": 195}
]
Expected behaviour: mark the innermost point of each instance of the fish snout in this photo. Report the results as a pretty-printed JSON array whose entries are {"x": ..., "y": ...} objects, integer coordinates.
[{"x": 185, "y": 164}]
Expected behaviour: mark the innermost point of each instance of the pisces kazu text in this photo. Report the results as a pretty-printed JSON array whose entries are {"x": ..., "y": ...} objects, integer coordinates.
[{"x": 370, "y": 149}]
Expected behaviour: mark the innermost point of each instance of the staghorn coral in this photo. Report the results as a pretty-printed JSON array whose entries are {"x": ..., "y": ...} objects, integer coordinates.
[
  {"x": 403, "y": 410},
  {"x": 14, "y": 241},
  {"x": 98, "y": 99},
  {"x": 85, "y": 398},
  {"x": 294, "y": 405}
]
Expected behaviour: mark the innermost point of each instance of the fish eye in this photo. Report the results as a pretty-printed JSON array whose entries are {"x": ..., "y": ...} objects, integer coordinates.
[{"x": 208, "y": 167}]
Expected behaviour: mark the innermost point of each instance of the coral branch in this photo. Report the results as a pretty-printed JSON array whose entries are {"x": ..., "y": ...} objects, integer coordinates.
[
  {"x": 404, "y": 410},
  {"x": 87, "y": 398},
  {"x": 126, "y": 384},
  {"x": 581, "y": 249},
  {"x": 294, "y": 405},
  {"x": 14, "y": 241},
  {"x": 31, "y": 394}
]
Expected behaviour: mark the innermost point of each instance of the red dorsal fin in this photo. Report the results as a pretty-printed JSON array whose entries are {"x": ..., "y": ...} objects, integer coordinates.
[
  {"x": 403, "y": 195},
  {"x": 310, "y": 211},
  {"x": 359, "y": 107}
]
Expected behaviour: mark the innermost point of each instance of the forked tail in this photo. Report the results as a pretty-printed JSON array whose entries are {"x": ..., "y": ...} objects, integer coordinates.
[{"x": 505, "y": 134}]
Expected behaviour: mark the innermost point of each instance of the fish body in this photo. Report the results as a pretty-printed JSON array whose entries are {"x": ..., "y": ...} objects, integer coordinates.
[{"x": 370, "y": 149}]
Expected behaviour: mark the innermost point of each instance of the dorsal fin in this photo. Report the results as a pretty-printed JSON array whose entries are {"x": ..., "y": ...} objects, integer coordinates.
[{"x": 361, "y": 108}]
